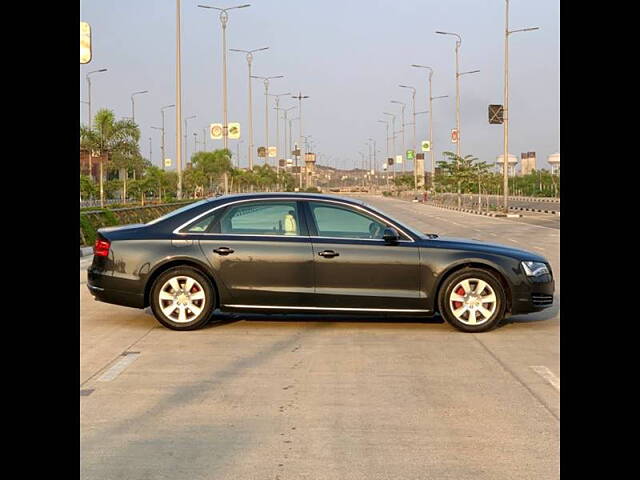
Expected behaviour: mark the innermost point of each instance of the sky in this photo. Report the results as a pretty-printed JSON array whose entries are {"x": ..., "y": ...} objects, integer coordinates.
[{"x": 348, "y": 56}]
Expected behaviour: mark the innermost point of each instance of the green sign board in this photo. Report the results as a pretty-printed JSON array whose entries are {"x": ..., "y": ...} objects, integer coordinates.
[
  {"x": 410, "y": 154},
  {"x": 426, "y": 146}
]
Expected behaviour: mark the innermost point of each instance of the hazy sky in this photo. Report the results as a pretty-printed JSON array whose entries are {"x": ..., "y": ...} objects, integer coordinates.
[{"x": 349, "y": 56}]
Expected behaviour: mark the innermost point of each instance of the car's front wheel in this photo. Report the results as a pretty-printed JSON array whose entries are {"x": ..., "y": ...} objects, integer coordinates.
[
  {"x": 472, "y": 300},
  {"x": 182, "y": 298}
]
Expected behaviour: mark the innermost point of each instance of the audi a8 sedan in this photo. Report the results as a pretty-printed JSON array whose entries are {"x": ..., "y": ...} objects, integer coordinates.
[{"x": 309, "y": 253}]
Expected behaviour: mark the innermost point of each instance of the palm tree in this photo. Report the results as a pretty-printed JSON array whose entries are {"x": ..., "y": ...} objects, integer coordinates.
[{"x": 117, "y": 139}]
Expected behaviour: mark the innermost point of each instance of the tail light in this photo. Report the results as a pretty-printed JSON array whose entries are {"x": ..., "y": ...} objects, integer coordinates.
[{"x": 101, "y": 248}]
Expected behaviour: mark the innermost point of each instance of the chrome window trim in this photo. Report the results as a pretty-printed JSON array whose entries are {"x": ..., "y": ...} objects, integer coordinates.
[
  {"x": 341, "y": 309},
  {"x": 358, "y": 207}
]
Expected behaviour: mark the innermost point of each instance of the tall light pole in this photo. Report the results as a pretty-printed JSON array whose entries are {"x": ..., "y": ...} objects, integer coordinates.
[
  {"x": 505, "y": 116},
  {"x": 403, "y": 143},
  {"x": 413, "y": 103},
  {"x": 266, "y": 110},
  {"x": 133, "y": 105},
  {"x": 287, "y": 146},
  {"x": 458, "y": 75},
  {"x": 250, "y": 146},
  {"x": 277, "y": 100},
  {"x": 162, "y": 113},
  {"x": 178, "y": 104},
  {"x": 186, "y": 132},
  {"x": 300, "y": 97},
  {"x": 431, "y": 99},
  {"x": 386, "y": 124},
  {"x": 224, "y": 18},
  {"x": 393, "y": 138},
  {"x": 88, "y": 76},
  {"x": 161, "y": 145}
]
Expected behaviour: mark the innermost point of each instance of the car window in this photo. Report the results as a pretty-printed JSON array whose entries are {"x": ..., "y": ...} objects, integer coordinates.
[
  {"x": 179, "y": 211},
  {"x": 202, "y": 225},
  {"x": 337, "y": 221},
  {"x": 261, "y": 218}
]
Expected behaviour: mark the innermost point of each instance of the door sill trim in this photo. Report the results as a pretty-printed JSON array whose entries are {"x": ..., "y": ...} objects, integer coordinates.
[{"x": 340, "y": 309}]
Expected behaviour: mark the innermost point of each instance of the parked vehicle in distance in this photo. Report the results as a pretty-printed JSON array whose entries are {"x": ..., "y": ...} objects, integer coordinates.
[{"x": 309, "y": 253}]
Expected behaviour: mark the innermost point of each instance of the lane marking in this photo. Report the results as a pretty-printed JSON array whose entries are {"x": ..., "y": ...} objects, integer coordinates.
[
  {"x": 512, "y": 240},
  {"x": 117, "y": 368},
  {"x": 538, "y": 248},
  {"x": 548, "y": 375}
]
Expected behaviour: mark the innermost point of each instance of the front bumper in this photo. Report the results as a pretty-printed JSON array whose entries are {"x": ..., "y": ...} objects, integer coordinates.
[{"x": 533, "y": 295}]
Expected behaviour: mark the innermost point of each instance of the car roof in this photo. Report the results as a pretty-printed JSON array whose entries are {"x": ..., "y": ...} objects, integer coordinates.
[{"x": 294, "y": 195}]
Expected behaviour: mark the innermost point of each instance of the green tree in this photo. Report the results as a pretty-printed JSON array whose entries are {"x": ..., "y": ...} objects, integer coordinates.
[
  {"x": 88, "y": 188},
  {"x": 117, "y": 139}
]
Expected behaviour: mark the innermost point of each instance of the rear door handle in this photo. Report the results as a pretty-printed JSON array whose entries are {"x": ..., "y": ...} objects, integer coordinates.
[
  {"x": 223, "y": 250},
  {"x": 328, "y": 254}
]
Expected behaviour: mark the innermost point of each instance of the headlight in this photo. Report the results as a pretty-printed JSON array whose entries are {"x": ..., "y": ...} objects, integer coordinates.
[{"x": 534, "y": 269}]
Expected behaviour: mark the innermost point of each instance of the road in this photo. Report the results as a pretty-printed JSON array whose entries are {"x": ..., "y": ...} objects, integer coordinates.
[{"x": 300, "y": 397}]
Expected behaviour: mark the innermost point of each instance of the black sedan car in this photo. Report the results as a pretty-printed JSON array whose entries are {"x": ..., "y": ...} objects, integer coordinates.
[{"x": 306, "y": 253}]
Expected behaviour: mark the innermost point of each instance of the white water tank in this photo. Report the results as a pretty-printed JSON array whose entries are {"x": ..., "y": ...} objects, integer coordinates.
[
  {"x": 554, "y": 161},
  {"x": 513, "y": 161}
]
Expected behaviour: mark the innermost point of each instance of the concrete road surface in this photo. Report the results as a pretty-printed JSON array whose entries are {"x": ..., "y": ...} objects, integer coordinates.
[{"x": 300, "y": 397}]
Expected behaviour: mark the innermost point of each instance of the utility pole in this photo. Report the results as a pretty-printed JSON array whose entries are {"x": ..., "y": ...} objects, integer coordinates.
[
  {"x": 250, "y": 146},
  {"x": 178, "y": 104},
  {"x": 505, "y": 115}
]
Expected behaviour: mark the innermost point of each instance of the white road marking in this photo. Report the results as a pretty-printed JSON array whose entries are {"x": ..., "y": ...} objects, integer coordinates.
[
  {"x": 538, "y": 248},
  {"x": 118, "y": 367},
  {"x": 548, "y": 375},
  {"x": 512, "y": 240}
]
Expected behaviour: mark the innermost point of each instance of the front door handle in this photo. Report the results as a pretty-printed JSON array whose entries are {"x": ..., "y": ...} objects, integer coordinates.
[
  {"x": 328, "y": 254},
  {"x": 223, "y": 250}
]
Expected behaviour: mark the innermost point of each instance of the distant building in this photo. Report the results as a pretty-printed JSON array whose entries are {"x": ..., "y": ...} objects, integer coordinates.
[
  {"x": 527, "y": 163},
  {"x": 554, "y": 161}
]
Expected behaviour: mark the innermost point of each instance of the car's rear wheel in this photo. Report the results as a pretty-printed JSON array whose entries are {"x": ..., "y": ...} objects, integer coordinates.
[
  {"x": 182, "y": 298},
  {"x": 472, "y": 300}
]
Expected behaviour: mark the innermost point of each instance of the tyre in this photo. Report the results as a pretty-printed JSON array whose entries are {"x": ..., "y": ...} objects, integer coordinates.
[
  {"x": 182, "y": 298},
  {"x": 472, "y": 300}
]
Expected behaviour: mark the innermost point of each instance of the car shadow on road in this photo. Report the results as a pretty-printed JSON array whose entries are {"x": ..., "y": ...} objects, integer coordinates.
[
  {"x": 221, "y": 319},
  {"x": 546, "y": 315}
]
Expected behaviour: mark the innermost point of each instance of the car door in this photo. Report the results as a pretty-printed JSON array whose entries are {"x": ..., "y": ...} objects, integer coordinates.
[
  {"x": 353, "y": 266},
  {"x": 261, "y": 251}
]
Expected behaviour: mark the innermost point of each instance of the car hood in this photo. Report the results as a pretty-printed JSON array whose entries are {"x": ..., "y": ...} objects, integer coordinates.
[{"x": 483, "y": 247}]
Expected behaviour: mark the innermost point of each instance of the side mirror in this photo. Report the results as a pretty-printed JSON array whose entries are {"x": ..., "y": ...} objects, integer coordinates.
[{"x": 390, "y": 236}]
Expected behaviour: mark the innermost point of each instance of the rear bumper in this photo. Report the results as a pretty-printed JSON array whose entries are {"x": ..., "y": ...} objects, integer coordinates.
[
  {"x": 533, "y": 297},
  {"x": 118, "y": 291}
]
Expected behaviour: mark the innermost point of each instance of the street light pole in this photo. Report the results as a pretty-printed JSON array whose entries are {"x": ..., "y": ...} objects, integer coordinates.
[
  {"x": 415, "y": 149},
  {"x": 300, "y": 97},
  {"x": 505, "y": 116},
  {"x": 89, "y": 90},
  {"x": 277, "y": 100},
  {"x": 393, "y": 138},
  {"x": 224, "y": 18},
  {"x": 186, "y": 132},
  {"x": 162, "y": 113},
  {"x": 178, "y": 104},
  {"x": 266, "y": 110},
  {"x": 403, "y": 143},
  {"x": 250, "y": 146},
  {"x": 133, "y": 105}
]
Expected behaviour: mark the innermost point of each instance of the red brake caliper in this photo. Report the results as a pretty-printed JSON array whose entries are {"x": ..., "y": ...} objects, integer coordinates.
[{"x": 459, "y": 291}]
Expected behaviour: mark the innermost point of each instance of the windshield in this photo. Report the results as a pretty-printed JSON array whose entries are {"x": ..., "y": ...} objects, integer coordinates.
[{"x": 179, "y": 211}]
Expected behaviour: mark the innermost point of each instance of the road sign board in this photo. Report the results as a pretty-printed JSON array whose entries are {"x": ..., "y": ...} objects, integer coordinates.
[
  {"x": 410, "y": 154},
  {"x": 167, "y": 162},
  {"x": 496, "y": 114},
  {"x": 296, "y": 152},
  {"x": 390, "y": 161},
  {"x": 262, "y": 152},
  {"x": 234, "y": 130},
  {"x": 273, "y": 152},
  {"x": 419, "y": 156},
  {"x": 398, "y": 159},
  {"x": 426, "y": 146},
  {"x": 384, "y": 166},
  {"x": 215, "y": 129},
  {"x": 454, "y": 135},
  {"x": 289, "y": 162},
  {"x": 85, "y": 42}
]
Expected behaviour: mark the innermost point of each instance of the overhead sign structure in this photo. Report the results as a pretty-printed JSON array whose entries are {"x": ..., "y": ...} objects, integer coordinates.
[
  {"x": 167, "y": 162},
  {"x": 215, "y": 129},
  {"x": 262, "y": 152},
  {"x": 398, "y": 159},
  {"x": 496, "y": 114},
  {"x": 234, "y": 130},
  {"x": 85, "y": 43},
  {"x": 273, "y": 152},
  {"x": 410, "y": 154},
  {"x": 426, "y": 146},
  {"x": 454, "y": 135}
]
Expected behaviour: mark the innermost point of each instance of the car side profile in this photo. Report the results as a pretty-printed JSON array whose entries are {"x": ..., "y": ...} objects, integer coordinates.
[{"x": 309, "y": 253}]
